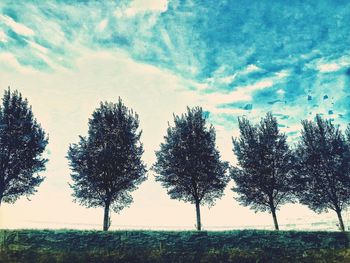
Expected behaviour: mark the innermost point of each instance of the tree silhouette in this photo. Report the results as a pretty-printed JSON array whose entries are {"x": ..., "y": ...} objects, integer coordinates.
[
  {"x": 107, "y": 164},
  {"x": 322, "y": 175},
  {"x": 22, "y": 143},
  {"x": 263, "y": 178},
  {"x": 188, "y": 163}
]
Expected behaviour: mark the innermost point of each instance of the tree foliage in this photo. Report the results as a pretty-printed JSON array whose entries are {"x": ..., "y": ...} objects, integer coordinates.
[
  {"x": 106, "y": 165},
  {"x": 323, "y": 168},
  {"x": 22, "y": 144},
  {"x": 188, "y": 162},
  {"x": 263, "y": 178}
]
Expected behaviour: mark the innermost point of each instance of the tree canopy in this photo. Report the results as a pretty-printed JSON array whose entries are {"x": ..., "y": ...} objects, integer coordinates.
[
  {"x": 106, "y": 165},
  {"x": 263, "y": 176},
  {"x": 322, "y": 173},
  {"x": 188, "y": 162},
  {"x": 22, "y": 144}
]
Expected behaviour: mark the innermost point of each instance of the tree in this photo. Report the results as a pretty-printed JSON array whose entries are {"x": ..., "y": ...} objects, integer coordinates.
[
  {"x": 106, "y": 165},
  {"x": 188, "y": 163},
  {"x": 322, "y": 175},
  {"x": 22, "y": 143},
  {"x": 263, "y": 178}
]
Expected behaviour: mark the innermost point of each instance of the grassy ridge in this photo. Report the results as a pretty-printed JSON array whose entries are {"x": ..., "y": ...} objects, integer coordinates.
[{"x": 172, "y": 246}]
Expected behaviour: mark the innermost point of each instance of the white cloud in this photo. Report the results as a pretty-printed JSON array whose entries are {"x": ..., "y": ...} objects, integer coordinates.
[
  {"x": 228, "y": 79},
  {"x": 293, "y": 128},
  {"x": 102, "y": 25},
  {"x": 281, "y": 92},
  {"x": 234, "y": 111},
  {"x": 38, "y": 47},
  {"x": 17, "y": 27},
  {"x": 9, "y": 61},
  {"x": 49, "y": 61},
  {"x": 251, "y": 68},
  {"x": 140, "y": 6},
  {"x": 242, "y": 93},
  {"x": 331, "y": 67},
  {"x": 238, "y": 95},
  {"x": 3, "y": 37},
  {"x": 219, "y": 77},
  {"x": 282, "y": 74},
  {"x": 260, "y": 85}
]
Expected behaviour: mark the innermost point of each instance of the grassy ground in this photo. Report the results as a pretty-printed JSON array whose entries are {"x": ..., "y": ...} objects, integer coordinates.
[{"x": 177, "y": 246}]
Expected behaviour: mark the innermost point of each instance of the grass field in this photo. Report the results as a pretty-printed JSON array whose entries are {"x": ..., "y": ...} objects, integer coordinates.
[{"x": 173, "y": 246}]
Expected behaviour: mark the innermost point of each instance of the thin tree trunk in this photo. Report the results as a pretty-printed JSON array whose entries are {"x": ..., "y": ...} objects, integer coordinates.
[
  {"x": 273, "y": 212},
  {"x": 106, "y": 218},
  {"x": 198, "y": 213},
  {"x": 340, "y": 218}
]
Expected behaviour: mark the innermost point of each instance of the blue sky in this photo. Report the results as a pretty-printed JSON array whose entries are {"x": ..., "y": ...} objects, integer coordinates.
[{"x": 234, "y": 58}]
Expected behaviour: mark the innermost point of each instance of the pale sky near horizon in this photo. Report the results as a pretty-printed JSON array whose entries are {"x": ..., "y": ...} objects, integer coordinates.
[{"x": 232, "y": 59}]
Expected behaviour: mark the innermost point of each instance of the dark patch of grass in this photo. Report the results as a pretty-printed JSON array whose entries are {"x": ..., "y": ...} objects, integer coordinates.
[{"x": 172, "y": 246}]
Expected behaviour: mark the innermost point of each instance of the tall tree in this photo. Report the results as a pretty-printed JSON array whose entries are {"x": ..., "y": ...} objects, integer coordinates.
[
  {"x": 188, "y": 162},
  {"x": 107, "y": 164},
  {"x": 22, "y": 143},
  {"x": 322, "y": 176},
  {"x": 263, "y": 178}
]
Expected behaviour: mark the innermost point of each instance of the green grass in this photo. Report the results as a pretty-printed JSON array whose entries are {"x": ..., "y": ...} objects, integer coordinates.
[{"x": 173, "y": 246}]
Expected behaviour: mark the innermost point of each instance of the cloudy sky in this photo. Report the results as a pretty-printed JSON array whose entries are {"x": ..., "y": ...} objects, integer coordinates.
[{"x": 233, "y": 58}]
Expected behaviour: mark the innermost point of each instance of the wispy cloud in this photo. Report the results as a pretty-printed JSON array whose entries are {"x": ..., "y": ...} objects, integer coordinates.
[
  {"x": 17, "y": 27},
  {"x": 9, "y": 61},
  {"x": 38, "y": 47},
  {"x": 102, "y": 25},
  {"x": 243, "y": 93},
  {"x": 141, "y": 6},
  {"x": 3, "y": 37},
  {"x": 328, "y": 67}
]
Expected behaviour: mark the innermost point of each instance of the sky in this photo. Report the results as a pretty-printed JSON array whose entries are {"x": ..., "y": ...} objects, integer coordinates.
[{"x": 233, "y": 58}]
